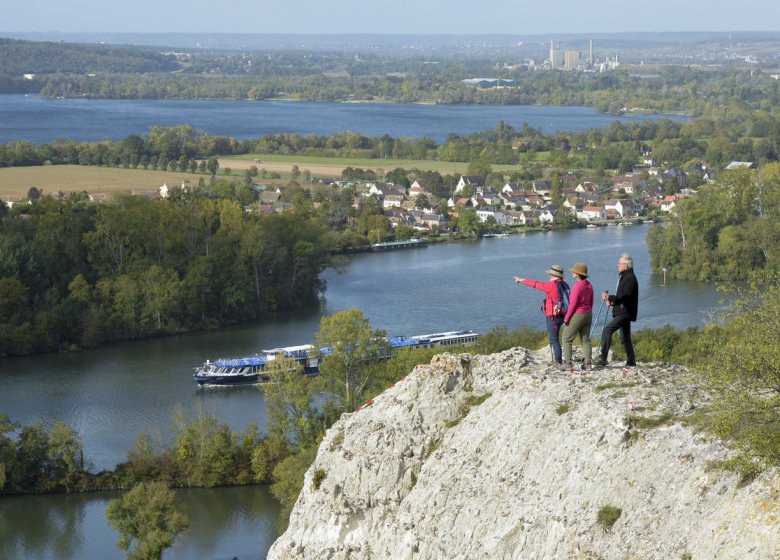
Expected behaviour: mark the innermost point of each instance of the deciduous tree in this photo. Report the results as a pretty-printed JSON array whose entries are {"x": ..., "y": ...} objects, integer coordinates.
[
  {"x": 147, "y": 520},
  {"x": 352, "y": 367}
]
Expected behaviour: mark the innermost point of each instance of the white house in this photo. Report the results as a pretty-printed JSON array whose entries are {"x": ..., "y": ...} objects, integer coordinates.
[
  {"x": 392, "y": 200},
  {"x": 626, "y": 186},
  {"x": 586, "y": 187},
  {"x": 384, "y": 189},
  {"x": 484, "y": 213},
  {"x": 546, "y": 216},
  {"x": 591, "y": 213},
  {"x": 468, "y": 180},
  {"x": 417, "y": 189}
]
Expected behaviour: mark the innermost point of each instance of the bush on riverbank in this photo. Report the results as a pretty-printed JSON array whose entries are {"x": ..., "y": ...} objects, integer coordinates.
[{"x": 204, "y": 454}]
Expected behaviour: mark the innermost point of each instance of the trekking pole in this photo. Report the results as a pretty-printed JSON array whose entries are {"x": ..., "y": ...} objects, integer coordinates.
[{"x": 596, "y": 322}]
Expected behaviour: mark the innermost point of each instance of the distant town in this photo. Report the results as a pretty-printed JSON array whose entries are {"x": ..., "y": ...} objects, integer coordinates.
[{"x": 627, "y": 197}]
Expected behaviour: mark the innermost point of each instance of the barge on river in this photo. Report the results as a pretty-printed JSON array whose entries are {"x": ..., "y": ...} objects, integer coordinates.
[{"x": 251, "y": 369}]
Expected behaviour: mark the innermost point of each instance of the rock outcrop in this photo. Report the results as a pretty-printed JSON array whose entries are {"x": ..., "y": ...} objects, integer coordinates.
[{"x": 483, "y": 457}]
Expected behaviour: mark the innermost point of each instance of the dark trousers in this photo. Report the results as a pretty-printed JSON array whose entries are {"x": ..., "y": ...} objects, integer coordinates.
[{"x": 623, "y": 324}]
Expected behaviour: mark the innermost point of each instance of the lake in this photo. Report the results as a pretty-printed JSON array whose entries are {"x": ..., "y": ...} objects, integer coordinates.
[
  {"x": 38, "y": 120},
  {"x": 112, "y": 393}
]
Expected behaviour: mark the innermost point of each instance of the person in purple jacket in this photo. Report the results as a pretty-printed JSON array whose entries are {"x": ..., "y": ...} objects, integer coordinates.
[{"x": 578, "y": 318}]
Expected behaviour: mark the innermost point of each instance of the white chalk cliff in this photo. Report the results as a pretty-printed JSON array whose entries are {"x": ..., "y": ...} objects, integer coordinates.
[{"x": 482, "y": 457}]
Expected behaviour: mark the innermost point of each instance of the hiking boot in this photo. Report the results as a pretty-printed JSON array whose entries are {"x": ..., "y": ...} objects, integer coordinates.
[
  {"x": 630, "y": 364},
  {"x": 601, "y": 361},
  {"x": 586, "y": 367},
  {"x": 565, "y": 366}
]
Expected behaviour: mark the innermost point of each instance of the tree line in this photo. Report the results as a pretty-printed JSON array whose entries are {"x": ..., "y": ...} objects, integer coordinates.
[
  {"x": 59, "y": 58},
  {"x": 728, "y": 230}
]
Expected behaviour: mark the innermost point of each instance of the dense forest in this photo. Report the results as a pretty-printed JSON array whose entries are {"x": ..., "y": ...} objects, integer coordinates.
[{"x": 75, "y": 274}]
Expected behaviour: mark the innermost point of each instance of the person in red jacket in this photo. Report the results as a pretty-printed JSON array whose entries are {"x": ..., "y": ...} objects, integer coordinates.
[
  {"x": 579, "y": 316},
  {"x": 554, "y": 319}
]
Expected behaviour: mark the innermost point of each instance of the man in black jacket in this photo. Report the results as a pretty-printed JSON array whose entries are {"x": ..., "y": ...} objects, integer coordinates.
[{"x": 624, "y": 306}]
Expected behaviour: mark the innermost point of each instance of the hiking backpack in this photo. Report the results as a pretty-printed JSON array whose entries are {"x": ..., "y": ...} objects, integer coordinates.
[{"x": 561, "y": 306}]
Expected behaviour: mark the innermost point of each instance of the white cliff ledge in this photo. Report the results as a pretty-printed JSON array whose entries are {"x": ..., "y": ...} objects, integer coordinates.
[{"x": 482, "y": 457}]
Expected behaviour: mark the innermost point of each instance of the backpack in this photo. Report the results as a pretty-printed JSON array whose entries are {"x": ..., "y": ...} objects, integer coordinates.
[{"x": 561, "y": 306}]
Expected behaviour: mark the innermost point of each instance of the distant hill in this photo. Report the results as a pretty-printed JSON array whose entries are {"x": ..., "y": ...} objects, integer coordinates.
[
  {"x": 30, "y": 57},
  {"x": 631, "y": 45}
]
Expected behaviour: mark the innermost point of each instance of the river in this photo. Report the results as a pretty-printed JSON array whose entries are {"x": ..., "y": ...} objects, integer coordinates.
[
  {"x": 29, "y": 117},
  {"x": 112, "y": 393}
]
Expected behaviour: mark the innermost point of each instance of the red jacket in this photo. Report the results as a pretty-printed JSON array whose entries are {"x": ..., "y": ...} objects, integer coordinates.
[{"x": 550, "y": 288}]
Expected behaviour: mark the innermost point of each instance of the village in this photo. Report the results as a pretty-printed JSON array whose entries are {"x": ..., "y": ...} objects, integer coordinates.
[{"x": 645, "y": 193}]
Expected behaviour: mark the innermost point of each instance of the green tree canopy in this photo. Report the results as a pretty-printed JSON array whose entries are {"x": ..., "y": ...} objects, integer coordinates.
[
  {"x": 147, "y": 520},
  {"x": 353, "y": 368},
  {"x": 740, "y": 359}
]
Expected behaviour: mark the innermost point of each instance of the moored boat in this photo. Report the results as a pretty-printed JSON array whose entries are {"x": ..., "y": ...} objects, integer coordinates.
[
  {"x": 252, "y": 369},
  {"x": 406, "y": 244}
]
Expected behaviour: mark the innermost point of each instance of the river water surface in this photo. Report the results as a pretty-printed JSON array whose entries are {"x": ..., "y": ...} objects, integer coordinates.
[
  {"x": 29, "y": 117},
  {"x": 113, "y": 393}
]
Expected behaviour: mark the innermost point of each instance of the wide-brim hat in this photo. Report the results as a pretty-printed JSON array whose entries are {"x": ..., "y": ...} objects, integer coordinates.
[
  {"x": 555, "y": 270},
  {"x": 580, "y": 269}
]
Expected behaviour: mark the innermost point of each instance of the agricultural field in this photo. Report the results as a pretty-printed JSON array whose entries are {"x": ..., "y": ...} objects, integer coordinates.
[
  {"x": 332, "y": 167},
  {"x": 16, "y": 181}
]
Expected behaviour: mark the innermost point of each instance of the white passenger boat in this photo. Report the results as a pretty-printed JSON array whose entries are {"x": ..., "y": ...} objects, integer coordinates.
[{"x": 251, "y": 369}]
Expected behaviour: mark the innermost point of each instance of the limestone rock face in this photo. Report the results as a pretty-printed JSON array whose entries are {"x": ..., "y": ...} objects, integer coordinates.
[{"x": 483, "y": 457}]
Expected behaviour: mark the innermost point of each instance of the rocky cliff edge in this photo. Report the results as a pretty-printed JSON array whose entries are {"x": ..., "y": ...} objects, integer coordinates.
[{"x": 483, "y": 457}]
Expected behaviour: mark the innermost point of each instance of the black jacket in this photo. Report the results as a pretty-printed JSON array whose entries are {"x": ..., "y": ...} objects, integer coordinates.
[{"x": 626, "y": 298}]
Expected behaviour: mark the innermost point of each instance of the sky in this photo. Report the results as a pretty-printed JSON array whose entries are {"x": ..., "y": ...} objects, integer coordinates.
[{"x": 423, "y": 17}]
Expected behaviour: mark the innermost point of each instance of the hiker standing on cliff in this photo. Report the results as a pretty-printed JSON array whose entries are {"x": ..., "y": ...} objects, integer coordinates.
[
  {"x": 579, "y": 316},
  {"x": 552, "y": 312},
  {"x": 624, "y": 304}
]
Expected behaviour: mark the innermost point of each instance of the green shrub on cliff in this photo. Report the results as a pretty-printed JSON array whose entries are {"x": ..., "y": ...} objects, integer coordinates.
[
  {"x": 665, "y": 344},
  {"x": 501, "y": 338},
  {"x": 740, "y": 361},
  {"x": 607, "y": 516}
]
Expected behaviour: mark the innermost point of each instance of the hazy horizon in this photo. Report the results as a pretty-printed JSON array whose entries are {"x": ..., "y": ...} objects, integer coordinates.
[{"x": 409, "y": 17}]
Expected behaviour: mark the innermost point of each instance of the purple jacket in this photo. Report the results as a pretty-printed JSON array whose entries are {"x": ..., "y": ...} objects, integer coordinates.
[{"x": 580, "y": 300}]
